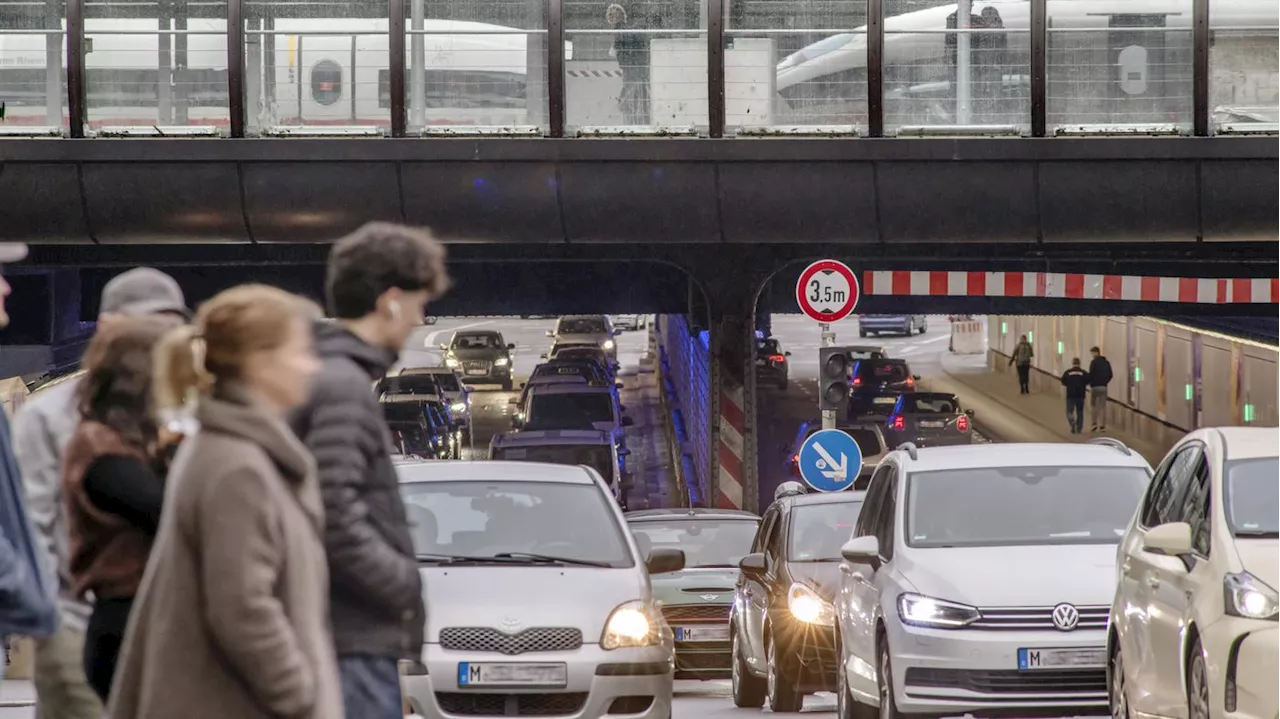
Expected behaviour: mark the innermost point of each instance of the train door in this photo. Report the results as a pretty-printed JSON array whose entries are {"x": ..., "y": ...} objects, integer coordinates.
[{"x": 1150, "y": 84}]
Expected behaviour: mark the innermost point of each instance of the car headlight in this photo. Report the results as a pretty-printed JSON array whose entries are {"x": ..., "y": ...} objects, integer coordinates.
[
  {"x": 502, "y": 362},
  {"x": 808, "y": 607},
  {"x": 634, "y": 624},
  {"x": 1247, "y": 596},
  {"x": 458, "y": 407},
  {"x": 921, "y": 611},
  {"x": 607, "y": 344},
  {"x": 450, "y": 362}
]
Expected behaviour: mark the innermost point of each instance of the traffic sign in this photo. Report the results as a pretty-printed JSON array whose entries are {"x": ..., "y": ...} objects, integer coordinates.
[
  {"x": 830, "y": 460},
  {"x": 827, "y": 291}
]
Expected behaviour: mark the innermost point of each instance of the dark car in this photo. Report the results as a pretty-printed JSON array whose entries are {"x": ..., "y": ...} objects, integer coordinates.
[
  {"x": 696, "y": 601},
  {"x": 771, "y": 363},
  {"x": 897, "y": 324},
  {"x": 929, "y": 419},
  {"x": 867, "y": 435},
  {"x": 591, "y": 369},
  {"x": 419, "y": 429},
  {"x": 568, "y": 351},
  {"x": 874, "y": 385},
  {"x": 782, "y": 628},
  {"x": 482, "y": 357}
]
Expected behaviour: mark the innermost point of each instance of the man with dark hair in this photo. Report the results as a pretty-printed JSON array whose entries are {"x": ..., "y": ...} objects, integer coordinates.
[
  {"x": 1099, "y": 377},
  {"x": 379, "y": 281},
  {"x": 1076, "y": 382}
]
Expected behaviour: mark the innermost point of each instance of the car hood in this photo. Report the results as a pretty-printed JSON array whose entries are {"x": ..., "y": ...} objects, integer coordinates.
[
  {"x": 821, "y": 577},
  {"x": 537, "y": 596},
  {"x": 1261, "y": 558},
  {"x": 1035, "y": 576},
  {"x": 712, "y": 585},
  {"x": 483, "y": 353}
]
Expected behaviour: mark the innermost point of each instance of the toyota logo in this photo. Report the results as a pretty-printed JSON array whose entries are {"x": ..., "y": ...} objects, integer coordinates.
[
  {"x": 1065, "y": 617},
  {"x": 510, "y": 625}
]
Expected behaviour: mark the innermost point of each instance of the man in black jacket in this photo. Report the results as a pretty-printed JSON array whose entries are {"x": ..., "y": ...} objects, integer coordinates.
[
  {"x": 1076, "y": 382},
  {"x": 378, "y": 283},
  {"x": 1099, "y": 378}
]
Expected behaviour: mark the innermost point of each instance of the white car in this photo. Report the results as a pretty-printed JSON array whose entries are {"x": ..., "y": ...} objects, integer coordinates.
[
  {"x": 597, "y": 330},
  {"x": 1193, "y": 625},
  {"x": 538, "y": 600},
  {"x": 979, "y": 577}
]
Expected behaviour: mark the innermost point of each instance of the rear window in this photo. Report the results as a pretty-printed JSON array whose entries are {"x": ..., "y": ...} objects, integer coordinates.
[
  {"x": 411, "y": 384},
  {"x": 582, "y": 327},
  {"x": 930, "y": 404},
  {"x": 881, "y": 371},
  {"x": 768, "y": 347},
  {"x": 402, "y": 412}
]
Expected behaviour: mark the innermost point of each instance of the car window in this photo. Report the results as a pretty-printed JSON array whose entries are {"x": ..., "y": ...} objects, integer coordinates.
[
  {"x": 481, "y": 519},
  {"x": 818, "y": 531},
  {"x": 887, "y": 519},
  {"x": 1195, "y": 508},
  {"x": 477, "y": 342},
  {"x": 868, "y": 441},
  {"x": 1251, "y": 496},
  {"x": 768, "y": 347},
  {"x": 705, "y": 542},
  {"x": 867, "y": 371},
  {"x": 771, "y": 543},
  {"x": 447, "y": 382},
  {"x": 1019, "y": 506},
  {"x": 410, "y": 384},
  {"x": 575, "y": 410},
  {"x": 870, "y": 513},
  {"x": 1161, "y": 505},
  {"x": 930, "y": 404},
  {"x": 411, "y": 412},
  {"x": 762, "y": 534},
  {"x": 581, "y": 327}
]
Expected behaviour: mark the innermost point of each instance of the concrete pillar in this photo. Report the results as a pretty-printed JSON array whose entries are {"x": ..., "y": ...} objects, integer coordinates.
[{"x": 733, "y": 463}]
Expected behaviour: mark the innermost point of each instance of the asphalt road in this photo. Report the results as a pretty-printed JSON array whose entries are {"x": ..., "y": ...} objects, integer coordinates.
[{"x": 713, "y": 700}]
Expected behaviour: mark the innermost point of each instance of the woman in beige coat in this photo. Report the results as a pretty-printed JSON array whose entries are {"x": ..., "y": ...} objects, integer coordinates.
[{"x": 232, "y": 618}]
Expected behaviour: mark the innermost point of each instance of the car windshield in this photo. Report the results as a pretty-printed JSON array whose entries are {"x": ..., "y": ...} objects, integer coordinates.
[
  {"x": 705, "y": 542},
  {"x": 485, "y": 519},
  {"x": 818, "y": 531},
  {"x": 582, "y": 327},
  {"x": 577, "y": 410},
  {"x": 1010, "y": 506},
  {"x": 595, "y": 456},
  {"x": 411, "y": 384},
  {"x": 477, "y": 342},
  {"x": 1252, "y": 496}
]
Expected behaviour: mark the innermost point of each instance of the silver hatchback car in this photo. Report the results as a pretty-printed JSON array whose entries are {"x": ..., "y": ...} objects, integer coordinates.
[{"x": 538, "y": 600}]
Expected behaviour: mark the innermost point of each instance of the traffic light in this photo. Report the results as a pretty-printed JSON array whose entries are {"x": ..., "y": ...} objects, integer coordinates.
[{"x": 833, "y": 378}]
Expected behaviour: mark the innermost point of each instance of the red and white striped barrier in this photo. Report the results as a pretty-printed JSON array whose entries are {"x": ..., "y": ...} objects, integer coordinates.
[
  {"x": 1067, "y": 285},
  {"x": 967, "y": 337},
  {"x": 729, "y": 449}
]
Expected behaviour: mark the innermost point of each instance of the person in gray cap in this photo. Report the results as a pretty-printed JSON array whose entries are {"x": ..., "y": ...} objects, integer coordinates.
[{"x": 41, "y": 430}]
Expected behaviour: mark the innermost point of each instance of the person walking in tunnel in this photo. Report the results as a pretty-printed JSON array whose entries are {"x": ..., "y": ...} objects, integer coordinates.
[
  {"x": 1076, "y": 383},
  {"x": 113, "y": 486},
  {"x": 26, "y": 598},
  {"x": 631, "y": 50},
  {"x": 232, "y": 619},
  {"x": 41, "y": 429},
  {"x": 1021, "y": 360},
  {"x": 378, "y": 283},
  {"x": 1099, "y": 377}
]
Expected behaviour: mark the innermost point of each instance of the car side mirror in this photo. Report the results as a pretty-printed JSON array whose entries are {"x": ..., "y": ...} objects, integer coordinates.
[
  {"x": 862, "y": 550},
  {"x": 624, "y": 452},
  {"x": 1172, "y": 539},
  {"x": 752, "y": 565},
  {"x": 514, "y": 400},
  {"x": 542, "y": 356},
  {"x": 444, "y": 347},
  {"x": 663, "y": 561},
  {"x": 915, "y": 377},
  {"x": 970, "y": 412},
  {"x": 627, "y": 422},
  {"x": 550, "y": 333},
  {"x": 617, "y": 385},
  {"x": 786, "y": 354}
]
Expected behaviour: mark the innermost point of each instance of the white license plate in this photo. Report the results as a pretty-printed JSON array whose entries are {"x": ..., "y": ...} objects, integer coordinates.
[
  {"x": 473, "y": 674},
  {"x": 1031, "y": 659},
  {"x": 703, "y": 634},
  {"x": 476, "y": 373},
  {"x": 933, "y": 425},
  {"x": 885, "y": 400}
]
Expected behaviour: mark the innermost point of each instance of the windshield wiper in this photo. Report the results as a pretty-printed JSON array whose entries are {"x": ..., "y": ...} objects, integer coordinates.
[
  {"x": 549, "y": 559},
  {"x": 1257, "y": 534},
  {"x": 462, "y": 559}
]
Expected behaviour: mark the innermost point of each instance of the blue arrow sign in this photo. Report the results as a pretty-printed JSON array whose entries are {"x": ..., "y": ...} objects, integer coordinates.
[{"x": 830, "y": 460}]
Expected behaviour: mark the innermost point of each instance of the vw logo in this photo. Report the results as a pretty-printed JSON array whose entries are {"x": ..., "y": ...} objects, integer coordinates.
[
  {"x": 1065, "y": 617},
  {"x": 710, "y": 597}
]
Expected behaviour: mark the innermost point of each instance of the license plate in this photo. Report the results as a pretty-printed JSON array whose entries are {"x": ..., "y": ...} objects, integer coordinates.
[
  {"x": 473, "y": 674},
  {"x": 760, "y": 363},
  {"x": 885, "y": 400},
  {"x": 932, "y": 425},
  {"x": 703, "y": 634},
  {"x": 475, "y": 373},
  {"x": 1032, "y": 659}
]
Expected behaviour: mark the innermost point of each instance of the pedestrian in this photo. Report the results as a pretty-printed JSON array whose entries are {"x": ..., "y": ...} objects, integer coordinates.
[
  {"x": 232, "y": 618},
  {"x": 41, "y": 430},
  {"x": 1099, "y": 377},
  {"x": 1021, "y": 359},
  {"x": 631, "y": 50},
  {"x": 112, "y": 485},
  {"x": 379, "y": 281},
  {"x": 1076, "y": 382},
  {"x": 26, "y": 598}
]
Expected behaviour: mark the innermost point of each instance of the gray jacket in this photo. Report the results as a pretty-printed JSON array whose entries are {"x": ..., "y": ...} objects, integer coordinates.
[
  {"x": 41, "y": 429},
  {"x": 376, "y": 592}
]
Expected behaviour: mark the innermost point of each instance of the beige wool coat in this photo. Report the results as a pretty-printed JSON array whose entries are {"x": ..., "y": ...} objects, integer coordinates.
[{"x": 232, "y": 618}]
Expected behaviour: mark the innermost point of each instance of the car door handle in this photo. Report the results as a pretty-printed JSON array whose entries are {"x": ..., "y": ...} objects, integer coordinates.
[
  {"x": 1126, "y": 568},
  {"x": 1153, "y": 582}
]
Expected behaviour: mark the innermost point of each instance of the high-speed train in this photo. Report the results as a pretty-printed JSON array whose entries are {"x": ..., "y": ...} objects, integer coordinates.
[{"x": 319, "y": 72}]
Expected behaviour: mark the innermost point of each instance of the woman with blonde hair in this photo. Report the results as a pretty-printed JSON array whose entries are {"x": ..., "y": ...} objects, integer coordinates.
[{"x": 232, "y": 619}]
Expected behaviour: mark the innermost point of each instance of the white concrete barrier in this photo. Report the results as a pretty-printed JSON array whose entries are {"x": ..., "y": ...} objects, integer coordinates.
[{"x": 967, "y": 338}]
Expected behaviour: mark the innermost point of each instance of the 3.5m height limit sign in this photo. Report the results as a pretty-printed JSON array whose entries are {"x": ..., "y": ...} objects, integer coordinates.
[{"x": 827, "y": 291}]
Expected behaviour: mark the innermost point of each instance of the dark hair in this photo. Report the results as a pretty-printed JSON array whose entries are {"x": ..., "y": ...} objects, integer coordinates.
[
  {"x": 116, "y": 390},
  {"x": 1095, "y": 350},
  {"x": 377, "y": 257}
]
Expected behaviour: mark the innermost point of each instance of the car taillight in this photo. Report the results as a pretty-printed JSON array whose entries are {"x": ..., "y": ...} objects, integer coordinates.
[
  {"x": 899, "y": 422},
  {"x": 962, "y": 423},
  {"x": 911, "y": 383},
  {"x": 776, "y": 358},
  {"x": 857, "y": 381},
  {"x": 795, "y": 459}
]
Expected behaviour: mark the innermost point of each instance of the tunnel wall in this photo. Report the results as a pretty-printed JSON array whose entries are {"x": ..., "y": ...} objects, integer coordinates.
[
  {"x": 1154, "y": 362},
  {"x": 686, "y": 360}
]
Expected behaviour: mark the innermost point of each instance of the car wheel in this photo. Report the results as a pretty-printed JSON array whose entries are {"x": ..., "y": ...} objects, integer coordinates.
[
  {"x": 846, "y": 706},
  {"x": 748, "y": 689},
  {"x": 507, "y": 385},
  {"x": 784, "y": 693},
  {"x": 884, "y": 678},
  {"x": 1197, "y": 684},
  {"x": 924, "y": 328},
  {"x": 1117, "y": 691},
  {"x": 862, "y": 333},
  {"x": 782, "y": 385}
]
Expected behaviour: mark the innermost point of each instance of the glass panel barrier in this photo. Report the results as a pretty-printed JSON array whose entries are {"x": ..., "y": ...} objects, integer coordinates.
[
  {"x": 33, "y": 91},
  {"x": 796, "y": 68},
  {"x": 636, "y": 67},
  {"x": 1243, "y": 80},
  {"x": 1112, "y": 68},
  {"x": 944, "y": 74},
  {"x": 156, "y": 69}
]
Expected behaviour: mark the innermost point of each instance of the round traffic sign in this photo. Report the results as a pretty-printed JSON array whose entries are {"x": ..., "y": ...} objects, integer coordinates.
[
  {"x": 830, "y": 460},
  {"x": 827, "y": 291}
]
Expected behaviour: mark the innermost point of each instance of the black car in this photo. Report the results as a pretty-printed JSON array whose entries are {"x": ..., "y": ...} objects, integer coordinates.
[
  {"x": 874, "y": 385},
  {"x": 419, "y": 429},
  {"x": 480, "y": 356},
  {"x": 782, "y": 628},
  {"x": 929, "y": 419},
  {"x": 771, "y": 363},
  {"x": 868, "y": 436},
  {"x": 587, "y": 368}
]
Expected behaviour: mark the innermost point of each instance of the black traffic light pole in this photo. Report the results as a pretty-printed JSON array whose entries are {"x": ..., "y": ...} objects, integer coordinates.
[{"x": 828, "y": 340}]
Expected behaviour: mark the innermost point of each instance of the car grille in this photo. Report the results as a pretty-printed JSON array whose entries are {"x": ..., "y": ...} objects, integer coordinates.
[
  {"x": 511, "y": 705},
  {"x": 1037, "y": 618},
  {"x": 697, "y": 613},
  {"x": 1063, "y": 681},
  {"x": 537, "y": 639}
]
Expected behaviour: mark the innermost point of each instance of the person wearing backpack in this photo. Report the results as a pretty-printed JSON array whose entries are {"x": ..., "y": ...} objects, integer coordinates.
[{"x": 1099, "y": 377}]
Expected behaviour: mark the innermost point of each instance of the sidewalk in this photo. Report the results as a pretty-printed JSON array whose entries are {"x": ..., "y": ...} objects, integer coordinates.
[
  {"x": 1001, "y": 412},
  {"x": 17, "y": 699},
  {"x": 650, "y": 462}
]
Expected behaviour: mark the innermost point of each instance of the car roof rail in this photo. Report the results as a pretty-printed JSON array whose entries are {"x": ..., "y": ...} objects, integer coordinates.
[
  {"x": 1113, "y": 443},
  {"x": 910, "y": 449}
]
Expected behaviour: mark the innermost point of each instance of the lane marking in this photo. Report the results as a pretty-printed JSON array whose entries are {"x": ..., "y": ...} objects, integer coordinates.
[{"x": 430, "y": 341}]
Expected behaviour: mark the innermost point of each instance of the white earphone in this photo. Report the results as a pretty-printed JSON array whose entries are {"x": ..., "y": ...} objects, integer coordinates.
[{"x": 394, "y": 307}]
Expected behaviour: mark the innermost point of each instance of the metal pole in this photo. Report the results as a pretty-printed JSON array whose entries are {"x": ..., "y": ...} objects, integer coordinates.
[
  {"x": 395, "y": 67},
  {"x": 253, "y": 78},
  {"x": 964, "y": 62},
  {"x": 715, "y": 66},
  {"x": 76, "y": 110},
  {"x": 53, "y": 63},
  {"x": 875, "y": 68},
  {"x": 236, "y": 67},
  {"x": 555, "y": 68},
  {"x": 828, "y": 340},
  {"x": 1200, "y": 67},
  {"x": 1039, "y": 46},
  {"x": 418, "y": 69}
]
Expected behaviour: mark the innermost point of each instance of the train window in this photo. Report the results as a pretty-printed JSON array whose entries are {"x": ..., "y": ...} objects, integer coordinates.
[{"x": 326, "y": 82}]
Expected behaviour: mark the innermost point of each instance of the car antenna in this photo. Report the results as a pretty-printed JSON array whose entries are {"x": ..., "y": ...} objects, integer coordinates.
[{"x": 1112, "y": 442}]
